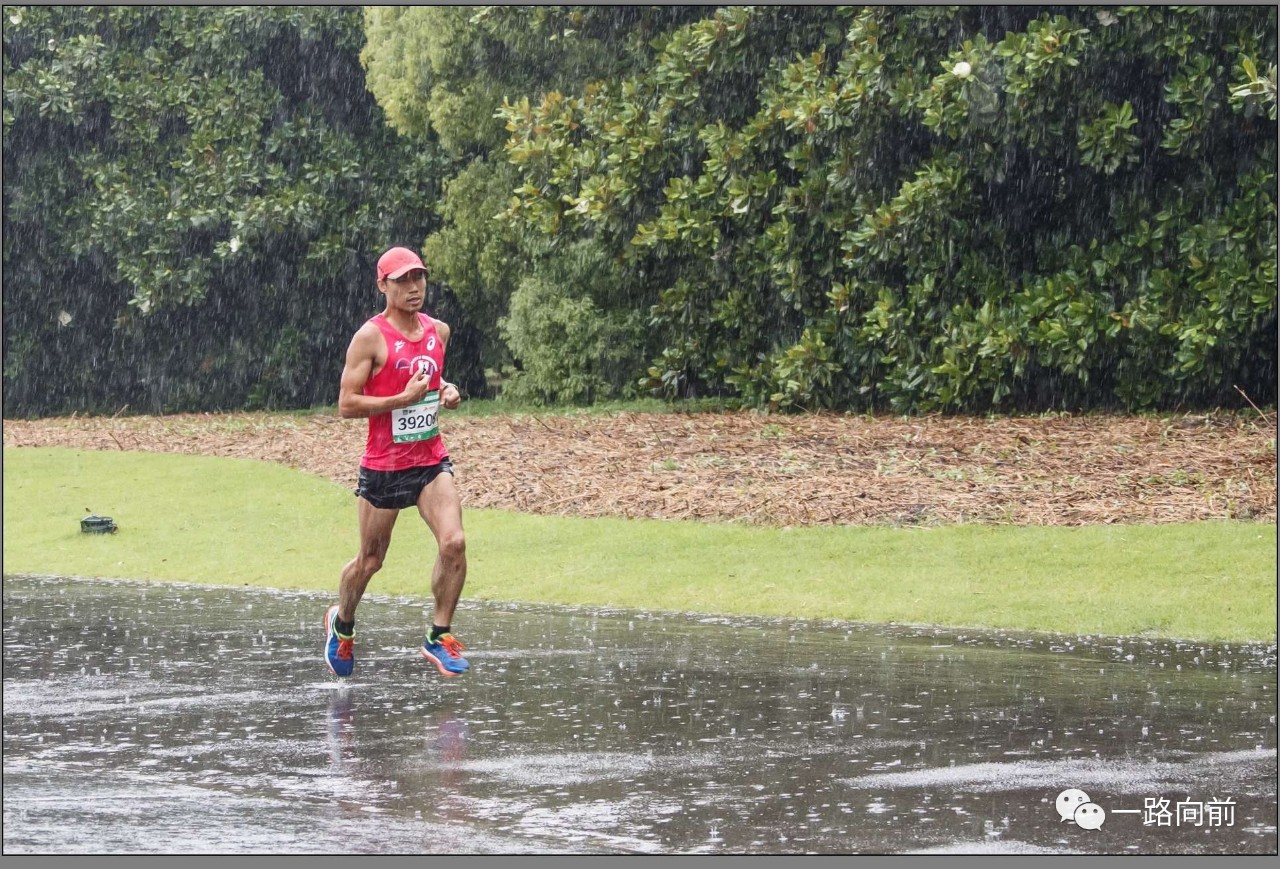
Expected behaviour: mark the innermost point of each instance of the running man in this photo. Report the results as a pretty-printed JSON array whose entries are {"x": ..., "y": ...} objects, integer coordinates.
[{"x": 393, "y": 376}]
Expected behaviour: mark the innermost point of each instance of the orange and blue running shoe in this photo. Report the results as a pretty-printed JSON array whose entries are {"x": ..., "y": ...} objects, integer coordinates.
[
  {"x": 446, "y": 654},
  {"x": 339, "y": 652}
]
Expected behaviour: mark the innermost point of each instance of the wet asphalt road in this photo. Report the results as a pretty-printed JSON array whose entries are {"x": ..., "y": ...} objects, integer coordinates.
[{"x": 185, "y": 719}]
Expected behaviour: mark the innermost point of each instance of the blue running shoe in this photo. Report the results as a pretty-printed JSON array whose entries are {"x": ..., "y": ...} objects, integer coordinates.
[
  {"x": 446, "y": 654},
  {"x": 339, "y": 653}
]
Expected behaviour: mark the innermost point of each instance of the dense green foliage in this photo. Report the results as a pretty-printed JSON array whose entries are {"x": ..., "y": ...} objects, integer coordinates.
[
  {"x": 443, "y": 72},
  {"x": 906, "y": 208},
  {"x": 194, "y": 198},
  {"x": 933, "y": 208}
]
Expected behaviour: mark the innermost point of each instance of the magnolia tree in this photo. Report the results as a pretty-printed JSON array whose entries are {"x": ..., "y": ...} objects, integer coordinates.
[
  {"x": 931, "y": 208},
  {"x": 194, "y": 199},
  {"x": 553, "y": 313}
]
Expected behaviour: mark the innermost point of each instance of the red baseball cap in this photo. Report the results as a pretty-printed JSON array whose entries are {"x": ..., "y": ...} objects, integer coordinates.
[{"x": 395, "y": 262}]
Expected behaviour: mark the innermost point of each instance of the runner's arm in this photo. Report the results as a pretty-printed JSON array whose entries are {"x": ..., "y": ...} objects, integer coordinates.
[
  {"x": 450, "y": 394},
  {"x": 362, "y": 356}
]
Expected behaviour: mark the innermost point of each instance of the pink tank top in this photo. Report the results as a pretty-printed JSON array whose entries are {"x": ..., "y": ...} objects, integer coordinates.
[{"x": 406, "y": 437}]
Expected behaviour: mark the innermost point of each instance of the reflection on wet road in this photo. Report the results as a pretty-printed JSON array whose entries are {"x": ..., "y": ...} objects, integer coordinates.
[{"x": 182, "y": 719}]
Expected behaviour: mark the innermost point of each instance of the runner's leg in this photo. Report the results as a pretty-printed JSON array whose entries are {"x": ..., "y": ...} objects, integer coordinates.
[
  {"x": 441, "y": 509},
  {"x": 375, "y": 536}
]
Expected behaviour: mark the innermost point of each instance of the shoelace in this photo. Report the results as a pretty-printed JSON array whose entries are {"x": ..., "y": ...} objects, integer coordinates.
[
  {"x": 451, "y": 644},
  {"x": 344, "y": 648}
]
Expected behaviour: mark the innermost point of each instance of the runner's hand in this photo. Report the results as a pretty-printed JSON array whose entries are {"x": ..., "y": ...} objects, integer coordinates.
[
  {"x": 417, "y": 387},
  {"x": 450, "y": 398}
]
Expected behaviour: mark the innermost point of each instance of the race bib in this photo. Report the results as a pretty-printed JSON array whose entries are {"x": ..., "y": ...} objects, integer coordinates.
[{"x": 417, "y": 422}]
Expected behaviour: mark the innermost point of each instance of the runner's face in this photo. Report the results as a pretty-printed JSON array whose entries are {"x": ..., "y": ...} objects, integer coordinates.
[{"x": 408, "y": 292}]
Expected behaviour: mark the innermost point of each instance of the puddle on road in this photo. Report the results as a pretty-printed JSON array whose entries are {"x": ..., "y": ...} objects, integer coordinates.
[{"x": 186, "y": 719}]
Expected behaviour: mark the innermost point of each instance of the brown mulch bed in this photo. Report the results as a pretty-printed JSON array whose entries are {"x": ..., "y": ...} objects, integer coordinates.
[{"x": 776, "y": 470}]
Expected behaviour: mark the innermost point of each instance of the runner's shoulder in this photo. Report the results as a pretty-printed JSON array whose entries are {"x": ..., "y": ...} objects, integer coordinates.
[{"x": 368, "y": 339}]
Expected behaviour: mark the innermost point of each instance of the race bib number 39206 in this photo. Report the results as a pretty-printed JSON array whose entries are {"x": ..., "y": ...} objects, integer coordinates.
[{"x": 417, "y": 422}]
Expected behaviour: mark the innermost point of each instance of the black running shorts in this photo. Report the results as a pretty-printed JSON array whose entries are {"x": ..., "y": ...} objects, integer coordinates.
[{"x": 395, "y": 490}]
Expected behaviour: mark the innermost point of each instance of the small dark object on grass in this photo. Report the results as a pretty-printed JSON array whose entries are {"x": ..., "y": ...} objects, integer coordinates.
[{"x": 95, "y": 524}]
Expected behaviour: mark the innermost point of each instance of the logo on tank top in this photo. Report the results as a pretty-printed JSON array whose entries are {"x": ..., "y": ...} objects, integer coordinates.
[{"x": 418, "y": 363}]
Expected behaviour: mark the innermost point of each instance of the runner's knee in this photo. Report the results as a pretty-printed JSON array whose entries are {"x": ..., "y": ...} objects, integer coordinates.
[
  {"x": 371, "y": 562},
  {"x": 453, "y": 545}
]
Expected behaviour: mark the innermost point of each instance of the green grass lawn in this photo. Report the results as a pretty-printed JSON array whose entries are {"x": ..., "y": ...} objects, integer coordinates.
[{"x": 242, "y": 522}]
